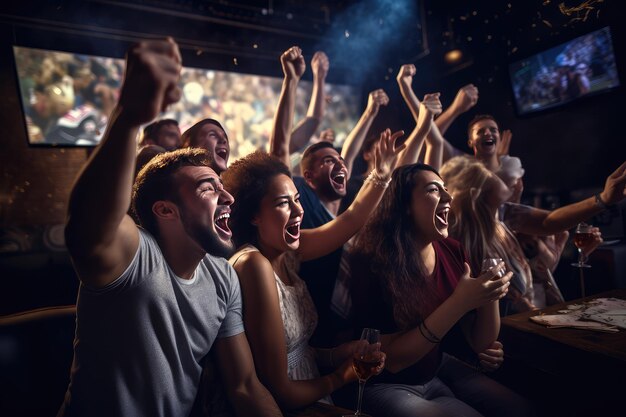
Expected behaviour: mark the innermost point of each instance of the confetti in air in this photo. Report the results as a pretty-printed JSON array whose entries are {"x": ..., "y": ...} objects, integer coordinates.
[{"x": 580, "y": 12}]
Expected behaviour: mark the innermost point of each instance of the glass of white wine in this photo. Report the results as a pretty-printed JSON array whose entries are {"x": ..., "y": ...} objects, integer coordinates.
[{"x": 365, "y": 361}]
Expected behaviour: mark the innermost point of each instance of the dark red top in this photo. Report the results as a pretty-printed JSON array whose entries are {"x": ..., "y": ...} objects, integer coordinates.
[{"x": 372, "y": 306}]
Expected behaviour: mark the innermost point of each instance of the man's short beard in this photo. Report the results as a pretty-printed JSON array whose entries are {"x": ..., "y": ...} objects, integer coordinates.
[
  {"x": 207, "y": 239},
  {"x": 327, "y": 190}
]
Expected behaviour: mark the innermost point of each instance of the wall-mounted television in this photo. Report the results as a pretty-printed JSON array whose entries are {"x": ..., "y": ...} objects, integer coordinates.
[
  {"x": 67, "y": 97},
  {"x": 580, "y": 67}
]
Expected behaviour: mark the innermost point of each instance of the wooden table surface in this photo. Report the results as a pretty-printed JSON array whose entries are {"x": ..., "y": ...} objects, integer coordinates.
[
  {"x": 610, "y": 345},
  {"x": 566, "y": 372}
]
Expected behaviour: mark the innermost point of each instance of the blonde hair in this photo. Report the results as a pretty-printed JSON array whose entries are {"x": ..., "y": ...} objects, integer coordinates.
[{"x": 472, "y": 221}]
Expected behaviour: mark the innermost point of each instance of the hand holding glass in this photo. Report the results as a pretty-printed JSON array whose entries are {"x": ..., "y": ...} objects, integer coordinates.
[{"x": 365, "y": 361}]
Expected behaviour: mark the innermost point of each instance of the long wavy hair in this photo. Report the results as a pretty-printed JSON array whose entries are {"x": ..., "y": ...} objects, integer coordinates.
[
  {"x": 472, "y": 221},
  {"x": 386, "y": 250}
]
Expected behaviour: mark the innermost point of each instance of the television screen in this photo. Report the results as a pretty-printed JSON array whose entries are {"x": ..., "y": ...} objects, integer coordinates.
[
  {"x": 67, "y": 97},
  {"x": 580, "y": 67}
]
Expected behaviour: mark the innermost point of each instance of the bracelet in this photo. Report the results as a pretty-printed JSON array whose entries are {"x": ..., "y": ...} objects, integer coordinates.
[
  {"x": 432, "y": 338},
  {"x": 601, "y": 202},
  {"x": 375, "y": 178}
]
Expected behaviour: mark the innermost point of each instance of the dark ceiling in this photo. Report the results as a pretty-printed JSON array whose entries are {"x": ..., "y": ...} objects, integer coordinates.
[{"x": 229, "y": 35}]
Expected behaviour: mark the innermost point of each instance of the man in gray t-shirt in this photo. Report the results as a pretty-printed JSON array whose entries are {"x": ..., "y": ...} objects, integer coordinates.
[{"x": 154, "y": 300}]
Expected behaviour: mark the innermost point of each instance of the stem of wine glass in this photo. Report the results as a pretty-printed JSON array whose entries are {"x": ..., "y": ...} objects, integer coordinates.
[
  {"x": 361, "y": 387},
  {"x": 581, "y": 259}
]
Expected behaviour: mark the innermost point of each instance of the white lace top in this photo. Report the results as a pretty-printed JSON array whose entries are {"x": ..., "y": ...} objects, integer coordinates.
[{"x": 299, "y": 318}]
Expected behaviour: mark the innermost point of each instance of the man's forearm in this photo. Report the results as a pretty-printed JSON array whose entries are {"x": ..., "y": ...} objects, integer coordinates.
[
  {"x": 103, "y": 189},
  {"x": 255, "y": 400},
  {"x": 281, "y": 133}
]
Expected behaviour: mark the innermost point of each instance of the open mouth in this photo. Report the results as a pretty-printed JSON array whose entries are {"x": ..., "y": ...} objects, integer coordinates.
[
  {"x": 293, "y": 231},
  {"x": 222, "y": 153},
  {"x": 221, "y": 225},
  {"x": 339, "y": 180},
  {"x": 489, "y": 142},
  {"x": 441, "y": 217}
]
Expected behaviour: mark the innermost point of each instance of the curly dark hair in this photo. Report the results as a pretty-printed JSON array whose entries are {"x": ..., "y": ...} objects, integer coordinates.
[
  {"x": 156, "y": 181},
  {"x": 385, "y": 251},
  {"x": 247, "y": 180}
]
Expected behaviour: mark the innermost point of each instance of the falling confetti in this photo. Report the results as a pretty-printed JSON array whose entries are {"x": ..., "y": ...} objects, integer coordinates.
[
  {"x": 548, "y": 24},
  {"x": 580, "y": 12}
]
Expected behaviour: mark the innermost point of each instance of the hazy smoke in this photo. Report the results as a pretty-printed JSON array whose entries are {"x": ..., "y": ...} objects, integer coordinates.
[{"x": 364, "y": 35}]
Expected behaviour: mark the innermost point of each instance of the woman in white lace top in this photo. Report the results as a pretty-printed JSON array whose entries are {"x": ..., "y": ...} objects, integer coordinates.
[{"x": 279, "y": 314}]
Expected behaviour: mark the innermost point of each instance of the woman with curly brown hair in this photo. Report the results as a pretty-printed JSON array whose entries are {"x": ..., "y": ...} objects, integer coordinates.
[{"x": 279, "y": 313}]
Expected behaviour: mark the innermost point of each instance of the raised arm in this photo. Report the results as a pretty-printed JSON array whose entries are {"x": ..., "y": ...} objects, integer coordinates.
[
  {"x": 265, "y": 330},
  {"x": 101, "y": 238},
  {"x": 354, "y": 141},
  {"x": 322, "y": 240},
  {"x": 306, "y": 128},
  {"x": 435, "y": 144},
  {"x": 465, "y": 99},
  {"x": 405, "y": 349},
  {"x": 293, "y": 65},
  {"x": 429, "y": 108},
  {"x": 405, "y": 80},
  {"x": 542, "y": 222}
]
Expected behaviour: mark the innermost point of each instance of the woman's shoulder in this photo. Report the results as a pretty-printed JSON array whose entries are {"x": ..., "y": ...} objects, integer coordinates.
[{"x": 249, "y": 259}]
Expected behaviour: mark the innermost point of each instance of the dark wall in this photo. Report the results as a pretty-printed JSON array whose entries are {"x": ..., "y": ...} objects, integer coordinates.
[{"x": 572, "y": 147}]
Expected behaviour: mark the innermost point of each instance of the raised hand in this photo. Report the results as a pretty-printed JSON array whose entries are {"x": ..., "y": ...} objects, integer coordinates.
[
  {"x": 614, "y": 191},
  {"x": 327, "y": 135},
  {"x": 376, "y": 99},
  {"x": 475, "y": 292},
  {"x": 465, "y": 98},
  {"x": 503, "y": 145},
  {"x": 320, "y": 65},
  {"x": 151, "y": 80},
  {"x": 491, "y": 358},
  {"x": 431, "y": 105},
  {"x": 386, "y": 153},
  {"x": 293, "y": 63},
  {"x": 405, "y": 75}
]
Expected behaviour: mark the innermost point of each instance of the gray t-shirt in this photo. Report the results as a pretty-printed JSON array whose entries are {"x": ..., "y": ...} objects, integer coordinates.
[{"x": 140, "y": 340}]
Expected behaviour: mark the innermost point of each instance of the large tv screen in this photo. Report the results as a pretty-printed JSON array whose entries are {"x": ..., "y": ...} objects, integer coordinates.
[
  {"x": 578, "y": 68},
  {"x": 67, "y": 98}
]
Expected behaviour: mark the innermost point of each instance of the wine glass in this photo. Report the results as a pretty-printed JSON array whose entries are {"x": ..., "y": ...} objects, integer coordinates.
[
  {"x": 490, "y": 263},
  {"x": 365, "y": 361},
  {"x": 582, "y": 237}
]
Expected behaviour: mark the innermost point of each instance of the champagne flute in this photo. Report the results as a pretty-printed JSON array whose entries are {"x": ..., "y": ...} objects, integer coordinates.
[
  {"x": 365, "y": 361},
  {"x": 582, "y": 237}
]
